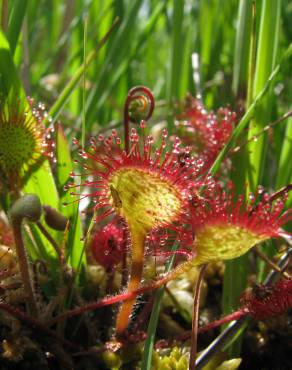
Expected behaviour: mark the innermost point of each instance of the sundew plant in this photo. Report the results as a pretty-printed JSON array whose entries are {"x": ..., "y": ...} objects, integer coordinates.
[{"x": 145, "y": 184}]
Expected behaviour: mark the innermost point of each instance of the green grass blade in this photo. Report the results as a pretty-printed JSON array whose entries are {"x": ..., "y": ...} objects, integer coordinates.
[
  {"x": 176, "y": 51},
  {"x": 84, "y": 82},
  {"x": 140, "y": 41},
  {"x": 265, "y": 63},
  {"x": 206, "y": 28},
  {"x": 284, "y": 175},
  {"x": 285, "y": 163},
  {"x": 10, "y": 85},
  {"x": 69, "y": 88},
  {"x": 116, "y": 53},
  {"x": 148, "y": 347},
  {"x": 74, "y": 253},
  {"x": 249, "y": 113},
  {"x": 241, "y": 54},
  {"x": 41, "y": 182},
  {"x": 15, "y": 22},
  {"x": 64, "y": 39}
]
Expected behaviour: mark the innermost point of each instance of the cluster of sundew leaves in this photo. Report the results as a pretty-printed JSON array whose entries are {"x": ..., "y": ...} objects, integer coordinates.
[
  {"x": 265, "y": 301},
  {"x": 144, "y": 186},
  {"x": 105, "y": 160},
  {"x": 205, "y": 132},
  {"x": 149, "y": 188},
  {"x": 119, "y": 180},
  {"x": 258, "y": 213},
  {"x": 214, "y": 217}
]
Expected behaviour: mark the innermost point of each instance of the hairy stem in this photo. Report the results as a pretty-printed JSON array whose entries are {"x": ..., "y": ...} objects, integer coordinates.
[
  {"x": 137, "y": 254},
  {"x": 236, "y": 315},
  {"x": 23, "y": 268},
  {"x": 129, "y": 295}
]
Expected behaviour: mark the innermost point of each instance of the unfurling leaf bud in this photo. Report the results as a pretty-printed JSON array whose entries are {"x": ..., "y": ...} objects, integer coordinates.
[{"x": 54, "y": 218}]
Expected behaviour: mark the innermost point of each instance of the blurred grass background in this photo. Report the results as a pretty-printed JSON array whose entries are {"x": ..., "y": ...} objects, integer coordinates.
[
  {"x": 152, "y": 46},
  {"x": 239, "y": 43}
]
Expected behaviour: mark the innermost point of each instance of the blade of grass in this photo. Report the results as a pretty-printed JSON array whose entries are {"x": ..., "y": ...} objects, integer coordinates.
[
  {"x": 117, "y": 51},
  {"x": 84, "y": 82},
  {"x": 138, "y": 44},
  {"x": 284, "y": 175},
  {"x": 64, "y": 168},
  {"x": 148, "y": 347},
  {"x": 249, "y": 113},
  {"x": 176, "y": 51},
  {"x": 69, "y": 88},
  {"x": 285, "y": 163},
  {"x": 235, "y": 276},
  {"x": 15, "y": 22},
  {"x": 215, "y": 38},
  {"x": 63, "y": 40},
  {"x": 206, "y": 23},
  {"x": 175, "y": 68},
  {"x": 10, "y": 85},
  {"x": 265, "y": 63},
  {"x": 241, "y": 54}
]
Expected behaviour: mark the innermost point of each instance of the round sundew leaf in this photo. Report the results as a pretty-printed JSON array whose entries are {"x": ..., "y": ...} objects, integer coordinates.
[
  {"x": 23, "y": 139},
  {"x": 149, "y": 187},
  {"x": 17, "y": 144},
  {"x": 224, "y": 242},
  {"x": 144, "y": 198}
]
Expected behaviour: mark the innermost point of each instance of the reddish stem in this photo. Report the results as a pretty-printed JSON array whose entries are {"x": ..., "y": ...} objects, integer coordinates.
[
  {"x": 224, "y": 320},
  {"x": 24, "y": 268},
  {"x": 123, "y": 317},
  {"x": 280, "y": 192},
  {"x": 129, "y": 295},
  {"x": 214, "y": 324}
]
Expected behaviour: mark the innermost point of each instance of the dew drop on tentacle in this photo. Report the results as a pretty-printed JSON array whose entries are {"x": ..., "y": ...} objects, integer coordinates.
[
  {"x": 93, "y": 141},
  {"x": 251, "y": 198},
  {"x": 260, "y": 190}
]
